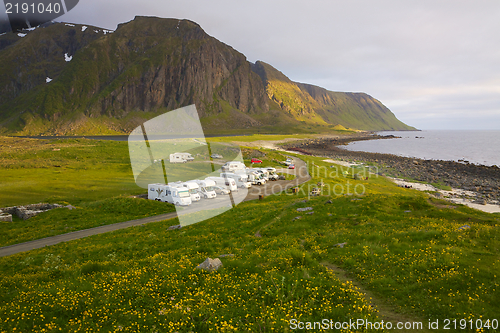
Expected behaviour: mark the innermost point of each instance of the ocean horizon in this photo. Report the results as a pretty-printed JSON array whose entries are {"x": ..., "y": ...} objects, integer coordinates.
[{"x": 480, "y": 147}]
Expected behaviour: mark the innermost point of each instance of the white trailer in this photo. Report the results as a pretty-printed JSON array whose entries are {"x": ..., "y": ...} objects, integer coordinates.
[
  {"x": 234, "y": 167},
  {"x": 263, "y": 172},
  {"x": 240, "y": 179},
  {"x": 192, "y": 188},
  {"x": 174, "y": 194},
  {"x": 206, "y": 188},
  {"x": 272, "y": 175},
  {"x": 228, "y": 183},
  {"x": 256, "y": 178},
  {"x": 181, "y": 157}
]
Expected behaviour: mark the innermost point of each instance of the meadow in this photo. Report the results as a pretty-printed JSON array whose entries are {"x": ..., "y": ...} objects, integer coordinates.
[
  {"x": 266, "y": 137},
  {"x": 67, "y": 170},
  {"x": 84, "y": 216},
  {"x": 92, "y": 175},
  {"x": 421, "y": 259}
]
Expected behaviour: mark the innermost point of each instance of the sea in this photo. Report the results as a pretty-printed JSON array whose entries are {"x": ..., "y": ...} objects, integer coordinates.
[{"x": 480, "y": 147}]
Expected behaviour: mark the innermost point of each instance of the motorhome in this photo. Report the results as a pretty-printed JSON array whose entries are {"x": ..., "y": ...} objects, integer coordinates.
[
  {"x": 228, "y": 183},
  {"x": 240, "y": 179},
  {"x": 206, "y": 188},
  {"x": 234, "y": 167},
  {"x": 263, "y": 172},
  {"x": 272, "y": 173},
  {"x": 173, "y": 193},
  {"x": 192, "y": 188},
  {"x": 181, "y": 157},
  {"x": 256, "y": 178}
]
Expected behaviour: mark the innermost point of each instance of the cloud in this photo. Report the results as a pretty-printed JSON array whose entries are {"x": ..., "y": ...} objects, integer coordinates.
[{"x": 421, "y": 58}]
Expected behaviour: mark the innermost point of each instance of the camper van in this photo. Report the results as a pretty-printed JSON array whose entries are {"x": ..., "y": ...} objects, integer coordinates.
[
  {"x": 192, "y": 188},
  {"x": 228, "y": 183},
  {"x": 272, "y": 175},
  {"x": 263, "y": 172},
  {"x": 234, "y": 167},
  {"x": 173, "y": 193},
  {"x": 240, "y": 179},
  {"x": 206, "y": 189},
  {"x": 256, "y": 178},
  {"x": 181, "y": 157}
]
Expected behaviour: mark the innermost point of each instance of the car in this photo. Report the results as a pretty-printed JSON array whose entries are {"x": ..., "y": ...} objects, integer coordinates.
[
  {"x": 216, "y": 156},
  {"x": 221, "y": 190},
  {"x": 255, "y": 160},
  {"x": 291, "y": 166}
]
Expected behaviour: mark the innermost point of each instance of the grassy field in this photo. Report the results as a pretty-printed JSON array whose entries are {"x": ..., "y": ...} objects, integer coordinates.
[
  {"x": 270, "y": 137},
  {"x": 82, "y": 170},
  {"x": 420, "y": 258},
  {"x": 95, "y": 176},
  {"x": 268, "y": 157},
  {"x": 84, "y": 216},
  {"x": 70, "y": 170}
]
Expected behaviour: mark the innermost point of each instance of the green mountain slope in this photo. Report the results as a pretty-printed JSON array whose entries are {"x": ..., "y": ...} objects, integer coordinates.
[
  {"x": 317, "y": 105},
  {"x": 115, "y": 81},
  {"x": 28, "y": 58}
]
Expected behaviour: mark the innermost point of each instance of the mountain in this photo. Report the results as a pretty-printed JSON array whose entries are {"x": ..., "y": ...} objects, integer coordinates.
[
  {"x": 315, "y": 104},
  {"x": 75, "y": 79}
]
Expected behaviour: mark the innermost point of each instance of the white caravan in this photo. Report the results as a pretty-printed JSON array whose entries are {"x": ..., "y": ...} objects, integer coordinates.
[
  {"x": 272, "y": 175},
  {"x": 262, "y": 172},
  {"x": 173, "y": 194},
  {"x": 240, "y": 179},
  {"x": 206, "y": 188},
  {"x": 228, "y": 183},
  {"x": 181, "y": 157},
  {"x": 234, "y": 167},
  {"x": 256, "y": 178},
  {"x": 192, "y": 188}
]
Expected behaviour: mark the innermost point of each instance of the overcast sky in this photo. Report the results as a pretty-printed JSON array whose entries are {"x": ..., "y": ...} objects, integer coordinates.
[{"x": 435, "y": 64}]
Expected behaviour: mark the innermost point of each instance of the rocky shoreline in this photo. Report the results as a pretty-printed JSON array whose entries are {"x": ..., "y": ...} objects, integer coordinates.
[{"x": 484, "y": 181}]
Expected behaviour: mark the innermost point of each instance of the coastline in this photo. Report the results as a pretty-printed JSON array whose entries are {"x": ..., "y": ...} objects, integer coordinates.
[{"x": 477, "y": 186}]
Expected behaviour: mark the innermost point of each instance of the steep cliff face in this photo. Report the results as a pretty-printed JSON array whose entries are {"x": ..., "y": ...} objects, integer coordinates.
[
  {"x": 103, "y": 82},
  {"x": 158, "y": 63},
  {"x": 287, "y": 94},
  {"x": 147, "y": 66}
]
